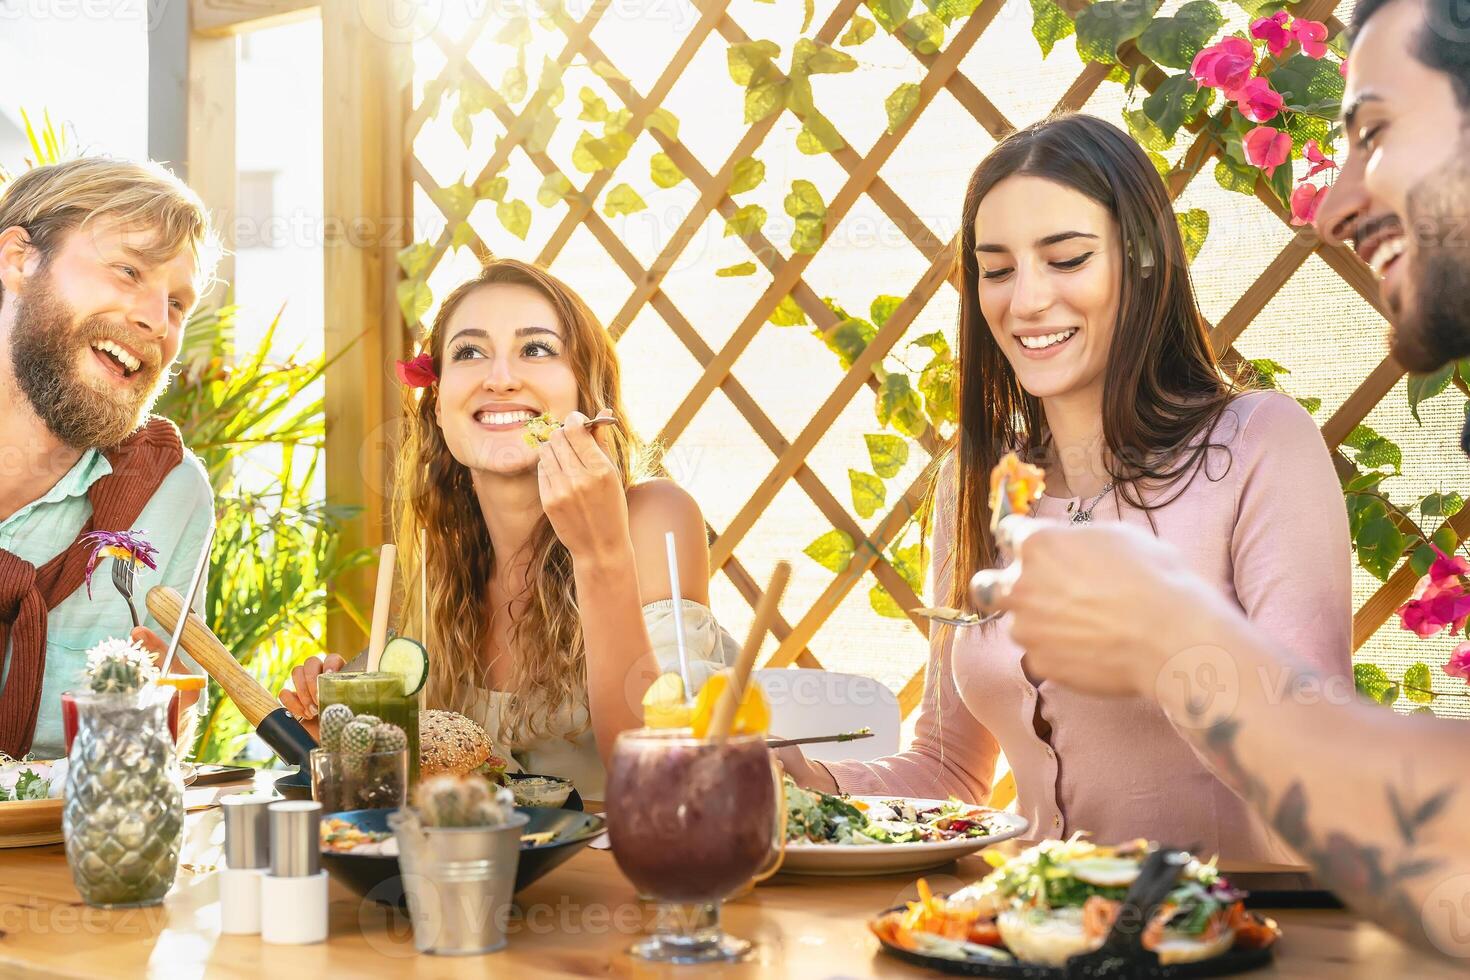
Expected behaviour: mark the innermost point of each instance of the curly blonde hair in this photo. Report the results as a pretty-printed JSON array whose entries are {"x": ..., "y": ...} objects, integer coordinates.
[{"x": 434, "y": 493}]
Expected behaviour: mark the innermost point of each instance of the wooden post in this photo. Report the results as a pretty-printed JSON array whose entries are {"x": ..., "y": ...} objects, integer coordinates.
[
  {"x": 367, "y": 95},
  {"x": 191, "y": 120}
]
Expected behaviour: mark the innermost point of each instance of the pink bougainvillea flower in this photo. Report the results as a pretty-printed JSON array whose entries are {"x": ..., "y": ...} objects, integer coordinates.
[
  {"x": 121, "y": 545},
  {"x": 1311, "y": 34},
  {"x": 1342, "y": 68},
  {"x": 1257, "y": 101},
  {"x": 416, "y": 373},
  {"x": 1305, "y": 201},
  {"x": 1447, "y": 568},
  {"x": 1273, "y": 31},
  {"x": 1319, "y": 161},
  {"x": 1226, "y": 65},
  {"x": 1459, "y": 665},
  {"x": 1435, "y": 605},
  {"x": 1267, "y": 148}
]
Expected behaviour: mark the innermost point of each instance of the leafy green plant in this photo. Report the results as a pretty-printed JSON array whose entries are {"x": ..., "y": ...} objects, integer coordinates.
[{"x": 258, "y": 426}]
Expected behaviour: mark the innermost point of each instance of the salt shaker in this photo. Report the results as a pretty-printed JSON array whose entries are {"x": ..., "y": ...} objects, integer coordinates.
[
  {"x": 247, "y": 856},
  {"x": 293, "y": 906}
]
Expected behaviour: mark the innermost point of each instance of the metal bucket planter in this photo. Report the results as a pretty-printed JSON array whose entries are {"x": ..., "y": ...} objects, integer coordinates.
[{"x": 459, "y": 882}]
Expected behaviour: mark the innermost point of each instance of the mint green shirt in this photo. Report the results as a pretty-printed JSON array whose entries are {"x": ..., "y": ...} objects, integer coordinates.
[{"x": 176, "y": 520}]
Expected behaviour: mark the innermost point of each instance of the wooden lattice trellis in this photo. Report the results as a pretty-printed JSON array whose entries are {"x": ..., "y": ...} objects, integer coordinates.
[{"x": 941, "y": 72}]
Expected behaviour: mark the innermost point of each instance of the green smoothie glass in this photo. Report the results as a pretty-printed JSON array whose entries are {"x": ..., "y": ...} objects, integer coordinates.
[{"x": 376, "y": 693}]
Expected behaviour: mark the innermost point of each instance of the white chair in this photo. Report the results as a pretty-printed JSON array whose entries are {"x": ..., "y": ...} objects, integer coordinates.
[{"x": 807, "y": 702}]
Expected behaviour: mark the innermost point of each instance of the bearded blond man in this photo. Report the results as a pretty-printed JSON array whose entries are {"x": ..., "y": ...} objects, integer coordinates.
[{"x": 101, "y": 263}]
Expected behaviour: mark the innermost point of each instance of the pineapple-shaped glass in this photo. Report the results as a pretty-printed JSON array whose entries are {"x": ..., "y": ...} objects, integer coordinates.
[{"x": 124, "y": 812}]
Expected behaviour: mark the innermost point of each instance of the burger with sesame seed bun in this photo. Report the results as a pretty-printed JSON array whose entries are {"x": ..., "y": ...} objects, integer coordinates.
[{"x": 451, "y": 743}]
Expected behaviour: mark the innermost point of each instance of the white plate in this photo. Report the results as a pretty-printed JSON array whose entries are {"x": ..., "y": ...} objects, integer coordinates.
[{"x": 808, "y": 858}]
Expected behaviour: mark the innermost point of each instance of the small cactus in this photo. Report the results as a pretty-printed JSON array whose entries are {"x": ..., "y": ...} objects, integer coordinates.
[
  {"x": 335, "y": 717},
  {"x": 370, "y": 719},
  {"x": 388, "y": 737},
  {"x": 462, "y": 801},
  {"x": 119, "y": 667}
]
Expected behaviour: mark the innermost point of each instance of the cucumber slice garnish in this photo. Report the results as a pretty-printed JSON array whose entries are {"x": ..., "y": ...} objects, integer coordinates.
[{"x": 409, "y": 660}]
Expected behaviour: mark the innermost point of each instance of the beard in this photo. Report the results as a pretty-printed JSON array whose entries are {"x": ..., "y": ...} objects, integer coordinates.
[
  {"x": 45, "y": 344},
  {"x": 1431, "y": 327}
]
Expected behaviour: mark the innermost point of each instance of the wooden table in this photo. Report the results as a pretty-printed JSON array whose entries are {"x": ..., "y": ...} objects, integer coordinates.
[{"x": 577, "y": 922}]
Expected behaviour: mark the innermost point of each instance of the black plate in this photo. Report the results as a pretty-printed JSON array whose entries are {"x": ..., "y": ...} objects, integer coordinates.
[
  {"x": 376, "y": 877},
  {"x": 1226, "y": 964},
  {"x": 297, "y": 786}
]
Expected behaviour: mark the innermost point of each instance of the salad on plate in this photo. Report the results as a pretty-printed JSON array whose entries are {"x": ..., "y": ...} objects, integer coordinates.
[{"x": 822, "y": 818}]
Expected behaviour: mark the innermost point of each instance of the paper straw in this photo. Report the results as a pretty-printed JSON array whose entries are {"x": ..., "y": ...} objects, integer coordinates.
[
  {"x": 678, "y": 612},
  {"x": 382, "y": 601},
  {"x": 424, "y": 584}
]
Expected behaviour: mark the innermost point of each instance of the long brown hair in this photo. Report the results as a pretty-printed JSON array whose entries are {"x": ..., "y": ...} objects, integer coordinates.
[
  {"x": 1162, "y": 387},
  {"x": 434, "y": 492}
]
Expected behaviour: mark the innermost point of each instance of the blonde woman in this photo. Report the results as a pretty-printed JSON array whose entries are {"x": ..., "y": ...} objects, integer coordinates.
[{"x": 549, "y": 593}]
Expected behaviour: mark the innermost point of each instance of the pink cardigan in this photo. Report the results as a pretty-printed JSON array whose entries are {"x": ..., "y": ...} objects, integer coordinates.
[{"x": 1268, "y": 527}]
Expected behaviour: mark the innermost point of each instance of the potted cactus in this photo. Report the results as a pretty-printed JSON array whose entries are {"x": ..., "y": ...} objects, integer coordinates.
[
  {"x": 361, "y": 764},
  {"x": 123, "y": 818},
  {"x": 459, "y": 847}
]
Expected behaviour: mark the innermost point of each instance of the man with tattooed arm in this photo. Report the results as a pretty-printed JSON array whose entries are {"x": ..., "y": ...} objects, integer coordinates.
[{"x": 1378, "y": 803}]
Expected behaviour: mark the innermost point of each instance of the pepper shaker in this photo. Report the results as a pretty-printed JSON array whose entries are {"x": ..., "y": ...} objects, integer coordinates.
[{"x": 294, "y": 894}]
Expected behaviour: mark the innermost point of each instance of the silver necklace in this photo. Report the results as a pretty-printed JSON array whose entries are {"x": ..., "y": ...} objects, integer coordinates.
[{"x": 1084, "y": 516}]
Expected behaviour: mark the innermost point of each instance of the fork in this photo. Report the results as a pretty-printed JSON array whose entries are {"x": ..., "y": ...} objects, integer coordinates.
[
  {"x": 950, "y": 616},
  {"x": 124, "y": 578}
]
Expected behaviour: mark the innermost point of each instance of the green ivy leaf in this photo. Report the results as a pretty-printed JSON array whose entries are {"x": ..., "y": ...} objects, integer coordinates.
[
  {"x": 1309, "y": 85},
  {"x": 1161, "y": 164},
  {"x": 805, "y": 204},
  {"x": 1419, "y": 684},
  {"x": 594, "y": 109},
  {"x": 1237, "y": 177},
  {"x": 746, "y": 221},
  {"x": 912, "y": 563},
  {"x": 604, "y": 70},
  {"x": 882, "y": 308},
  {"x": 868, "y": 492},
  {"x": 414, "y": 260},
  {"x": 664, "y": 171},
  {"x": 901, "y": 103},
  {"x": 617, "y": 122},
  {"x": 493, "y": 189},
  {"x": 890, "y": 13},
  {"x": 747, "y": 176},
  {"x": 1194, "y": 227},
  {"x": 1103, "y": 26},
  {"x": 414, "y": 299},
  {"x": 1311, "y": 404},
  {"x": 1445, "y": 539},
  {"x": 884, "y": 604},
  {"x": 1146, "y": 131},
  {"x": 1175, "y": 102},
  {"x": 1441, "y": 505},
  {"x": 664, "y": 121},
  {"x": 1267, "y": 370},
  {"x": 515, "y": 216},
  {"x": 887, "y": 453},
  {"x": 1172, "y": 42},
  {"x": 860, "y": 30},
  {"x": 1373, "y": 684},
  {"x": 811, "y": 57},
  {"x": 788, "y": 313},
  {"x": 516, "y": 32},
  {"x": 938, "y": 383},
  {"x": 818, "y": 135},
  {"x": 463, "y": 235},
  {"x": 592, "y": 154},
  {"x": 935, "y": 341},
  {"x": 1423, "y": 387},
  {"x": 543, "y": 127},
  {"x": 1380, "y": 545},
  {"x": 457, "y": 200},
  {"x": 748, "y": 58},
  {"x": 513, "y": 84},
  {"x": 622, "y": 199},
  {"x": 553, "y": 189},
  {"x": 740, "y": 269},
  {"x": 1421, "y": 559},
  {"x": 923, "y": 34},
  {"x": 765, "y": 98},
  {"x": 833, "y": 551},
  {"x": 898, "y": 405},
  {"x": 1374, "y": 451},
  {"x": 848, "y": 339},
  {"x": 1049, "y": 24}
]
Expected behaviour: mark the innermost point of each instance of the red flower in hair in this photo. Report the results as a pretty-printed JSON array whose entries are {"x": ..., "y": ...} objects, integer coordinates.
[{"x": 417, "y": 372}]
